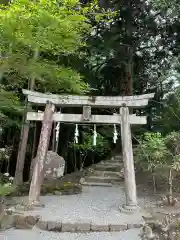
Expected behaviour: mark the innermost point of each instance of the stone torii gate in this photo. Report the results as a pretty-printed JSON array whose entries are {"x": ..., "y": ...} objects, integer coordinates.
[{"x": 87, "y": 102}]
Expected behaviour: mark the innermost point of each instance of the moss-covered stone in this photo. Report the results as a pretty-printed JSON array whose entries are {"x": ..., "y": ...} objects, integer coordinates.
[{"x": 55, "y": 188}]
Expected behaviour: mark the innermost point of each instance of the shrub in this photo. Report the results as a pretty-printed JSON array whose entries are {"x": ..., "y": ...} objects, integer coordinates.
[
  {"x": 6, "y": 186},
  {"x": 102, "y": 147},
  {"x": 5, "y": 153},
  {"x": 172, "y": 141},
  {"x": 159, "y": 155},
  {"x": 6, "y": 189},
  {"x": 152, "y": 154}
]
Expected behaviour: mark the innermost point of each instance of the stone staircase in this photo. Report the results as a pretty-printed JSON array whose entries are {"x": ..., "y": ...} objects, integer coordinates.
[{"x": 106, "y": 173}]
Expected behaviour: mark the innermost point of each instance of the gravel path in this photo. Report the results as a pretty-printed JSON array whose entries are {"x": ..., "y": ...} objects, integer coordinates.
[
  {"x": 42, "y": 235},
  {"x": 98, "y": 205}
]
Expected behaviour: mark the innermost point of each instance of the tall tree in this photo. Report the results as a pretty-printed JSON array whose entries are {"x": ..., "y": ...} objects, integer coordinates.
[
  {"x": 133, "y": 50},
  {"x": 34, "y": 34}
]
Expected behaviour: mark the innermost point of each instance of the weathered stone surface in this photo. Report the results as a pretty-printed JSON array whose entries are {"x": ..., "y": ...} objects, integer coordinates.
[
  {"x": 129, "y": 209},
  {"x": 20, "y": 222},
  {"x": 105, "y": 173},
  {"x": 107, "y": 168},
  {"x": 54, "y": 226},
  {"x": 27, "y": 222},
  {"x": 36, "y": 234},
  {"x": 103, "y": 179},
  {"x": 83, "y": 227},
  {"x": 96, "y": 205},
  {"x": 69, "y": 100},
  {"x": 50, "y": 194},
  {"x": 54, "y": 166},
  {"x": 57, "y": 193},
  {"x": 69, "y": 227},
  {"x": 43, "y": 225},
  {"x": 7, "y": 222},
  {"x": 90, "y": 184},
  {"x": 2, "y": 208},
  {"x": 130, "y": 226},
  {"x": 99, "y": 228},
  {"x": 32, "y": 220},
  {"x": 117, "y": 228}
]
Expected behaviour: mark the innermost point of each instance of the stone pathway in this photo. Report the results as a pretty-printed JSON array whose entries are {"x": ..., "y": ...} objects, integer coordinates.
[
  {"x": 93, "y": 214},
  {"x": 36, "y": 234},
  {"x": 96, "y": 209},
  {"x": 96, "y": 205}
]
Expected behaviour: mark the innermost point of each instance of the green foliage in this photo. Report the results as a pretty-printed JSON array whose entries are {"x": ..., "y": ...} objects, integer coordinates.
[
  {"x": 54, "y": 43},
  {"x": 6, "y": 189},
  {"x": 168, "y": 118},
  {"x": 151, "y": 153},
  {"x": 6, "y": 186},
  {"x": 44, "y": 25},
  {"x": 172, "y": 6},
  {"x": 173, "y": 144},
  {"x": 5, "y": 153},
  {"x": 159, "y": 155},
  {"x": 35, "y": 37},
  {"x": 10, "y": 109},
  {"x": 101, "y": 147},
  {"x": 30, "y": 30},
  {"x": 163, "y": 156}
]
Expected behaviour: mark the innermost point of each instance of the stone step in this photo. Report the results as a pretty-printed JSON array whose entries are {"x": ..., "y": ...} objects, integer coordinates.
[
  {"x": 107, "y": 168},
  {"x": 112, "y": 162},
  {"x": 108, "y": 163},
  {"x": 118, "y": 157},
  {"x": 103, "y": 179},
  {"x": 105, "y": 173},
  {"x": 96, "y": 184}
]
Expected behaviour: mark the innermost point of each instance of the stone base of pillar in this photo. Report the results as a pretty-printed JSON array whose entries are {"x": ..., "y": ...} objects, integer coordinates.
[
  {"x": 129, "y": 209},
  {"x": 37, "y": 204}
]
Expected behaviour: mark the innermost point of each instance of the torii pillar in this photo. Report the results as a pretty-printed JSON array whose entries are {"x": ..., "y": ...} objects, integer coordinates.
[{"x": 129, "y": 172}]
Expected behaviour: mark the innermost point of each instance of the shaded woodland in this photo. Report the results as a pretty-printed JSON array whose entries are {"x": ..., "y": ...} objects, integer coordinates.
[{"x": 106, "y": 48}]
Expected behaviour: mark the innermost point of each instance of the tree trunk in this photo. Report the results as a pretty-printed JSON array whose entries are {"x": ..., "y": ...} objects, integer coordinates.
[
  {"x": 92, "y": 155},
  {"x": 75, "y": 160},
  {"x": 18, "y": 179},
  {"x": 54, "y": 137},
  {"x": 57, "y": 141},
  {"x": 34, "y": 142},
  {"x": 170, "y": 183},
  {"x": 83, "y": 159},
  {"x": 154, "y": 184},
  {"x": 38, "y": 173},
  {"x": 33, "y": 152}
]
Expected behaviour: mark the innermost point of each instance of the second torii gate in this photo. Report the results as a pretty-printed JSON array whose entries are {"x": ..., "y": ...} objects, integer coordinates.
[{"x": 87, "y": 102}]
